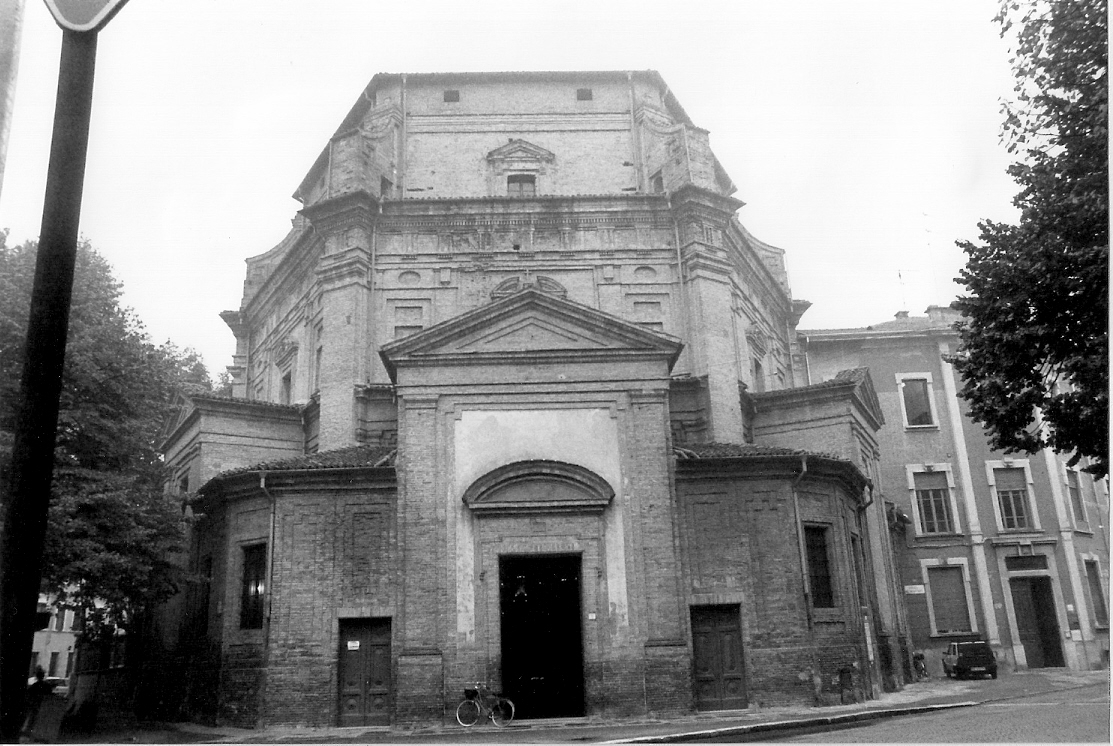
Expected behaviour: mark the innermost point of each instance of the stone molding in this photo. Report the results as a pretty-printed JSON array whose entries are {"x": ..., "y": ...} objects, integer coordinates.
[{"x": 564, "y": 488}]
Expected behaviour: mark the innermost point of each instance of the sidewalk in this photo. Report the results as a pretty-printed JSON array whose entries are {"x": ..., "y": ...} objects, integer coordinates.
[{"x": 925, "y": 696}]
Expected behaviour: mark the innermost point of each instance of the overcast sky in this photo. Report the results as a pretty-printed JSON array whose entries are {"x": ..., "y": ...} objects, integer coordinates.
[{"x": 863, "y": 136}]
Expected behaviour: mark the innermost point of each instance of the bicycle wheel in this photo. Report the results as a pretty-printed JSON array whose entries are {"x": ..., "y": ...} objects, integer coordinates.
[
  {"x": 502, "y": 713},
  {"x": 467, "y": 714}
]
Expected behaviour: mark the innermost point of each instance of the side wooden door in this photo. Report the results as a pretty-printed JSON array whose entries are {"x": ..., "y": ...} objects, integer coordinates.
[
  {"x": 365, "y": 682},
  {"x": 720, "y": 676}
]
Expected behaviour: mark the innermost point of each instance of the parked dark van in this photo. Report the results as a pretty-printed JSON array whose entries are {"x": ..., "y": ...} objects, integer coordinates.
[{"x": 964, "y": 659}]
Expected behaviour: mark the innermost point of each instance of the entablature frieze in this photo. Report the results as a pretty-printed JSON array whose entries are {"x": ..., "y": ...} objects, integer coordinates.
[
  {"x": 517, "y": 122},
  {"x": 551, "y": 221}
]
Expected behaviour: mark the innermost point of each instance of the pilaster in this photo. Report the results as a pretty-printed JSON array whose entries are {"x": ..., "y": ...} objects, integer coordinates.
[
  {"x": 702, "y": 217},
  {"x": 344, "y": 224},
  {"x": 978, "y": 545}
]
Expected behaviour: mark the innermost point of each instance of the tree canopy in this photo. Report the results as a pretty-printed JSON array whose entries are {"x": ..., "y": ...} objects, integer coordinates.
[
  {"x": 112, "y": 533},
  {"x": 1034, "y": 347}
]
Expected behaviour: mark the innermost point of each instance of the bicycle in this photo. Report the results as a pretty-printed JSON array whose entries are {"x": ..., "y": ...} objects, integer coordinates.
[{"x": 481, "y": 703}]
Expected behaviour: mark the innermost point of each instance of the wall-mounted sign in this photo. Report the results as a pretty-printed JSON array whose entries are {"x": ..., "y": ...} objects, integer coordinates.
[
  {"x": 353, "y": 644},
  {"x": 915, "y": 590}
]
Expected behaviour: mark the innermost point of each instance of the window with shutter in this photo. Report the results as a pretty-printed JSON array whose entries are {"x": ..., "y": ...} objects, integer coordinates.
[{"x": 948, "y": 600}]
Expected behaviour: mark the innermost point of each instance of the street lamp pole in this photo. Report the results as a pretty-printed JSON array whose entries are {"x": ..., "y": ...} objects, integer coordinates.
[{"x": 27, "y": 502}]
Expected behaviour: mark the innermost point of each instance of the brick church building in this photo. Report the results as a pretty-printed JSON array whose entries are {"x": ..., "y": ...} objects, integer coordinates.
[{"x": 519, "y": 400}]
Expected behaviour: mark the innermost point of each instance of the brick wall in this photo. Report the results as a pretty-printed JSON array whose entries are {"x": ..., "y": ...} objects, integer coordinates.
[{"x": 741, "y": 546}]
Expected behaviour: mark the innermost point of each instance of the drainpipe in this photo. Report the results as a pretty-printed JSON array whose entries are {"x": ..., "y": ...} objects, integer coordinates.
[
  {"x": 800, "y": 539},
  {"x": 680, "y": 282}
]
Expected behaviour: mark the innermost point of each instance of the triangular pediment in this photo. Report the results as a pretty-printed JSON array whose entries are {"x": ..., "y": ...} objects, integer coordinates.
[
  {"x": 521, "y": 150},
  {"x": 530, "y": 325}
]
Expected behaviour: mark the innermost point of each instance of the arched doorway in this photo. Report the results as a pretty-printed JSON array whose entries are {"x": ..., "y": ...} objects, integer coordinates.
[{"x": 540, "y": 599}]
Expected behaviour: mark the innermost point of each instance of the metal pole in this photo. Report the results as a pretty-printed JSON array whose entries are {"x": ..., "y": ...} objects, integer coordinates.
[{"x": 27, "y": 502}]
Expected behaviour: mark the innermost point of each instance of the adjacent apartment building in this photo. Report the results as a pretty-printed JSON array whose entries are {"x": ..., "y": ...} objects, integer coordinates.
[
  {"x": 519, "y": 400},
  {"x": 1011, "y": 548}
]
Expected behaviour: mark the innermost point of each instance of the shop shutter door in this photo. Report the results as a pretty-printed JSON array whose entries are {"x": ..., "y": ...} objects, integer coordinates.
[{"x": 948, "y": 599}]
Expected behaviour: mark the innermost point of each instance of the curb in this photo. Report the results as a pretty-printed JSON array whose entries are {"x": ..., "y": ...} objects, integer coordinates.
[{"x": 784, "y": 725}]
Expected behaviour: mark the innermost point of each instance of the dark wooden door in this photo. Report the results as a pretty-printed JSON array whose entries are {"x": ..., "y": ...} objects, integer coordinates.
[
  {"x": 365, "y": 681},
  {"x": 720, "y": 675},
  {"x": 542, "y": 638},
  {"x": 1034, "y": 604}
]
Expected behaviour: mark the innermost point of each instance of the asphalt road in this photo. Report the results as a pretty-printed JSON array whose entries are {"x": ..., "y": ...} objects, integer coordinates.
[{"x": 1075, "y": 715}]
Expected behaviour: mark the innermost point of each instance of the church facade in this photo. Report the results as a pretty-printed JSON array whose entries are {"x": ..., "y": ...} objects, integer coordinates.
[{"x": 519, "y": 400}]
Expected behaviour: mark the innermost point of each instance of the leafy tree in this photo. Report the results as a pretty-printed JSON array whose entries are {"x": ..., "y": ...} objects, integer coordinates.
[
  {"x": 112, "y": 533},
  {"x": 1034, "y": 351}
]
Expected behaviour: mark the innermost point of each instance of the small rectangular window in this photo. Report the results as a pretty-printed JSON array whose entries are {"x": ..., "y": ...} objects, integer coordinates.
[
  {"x": 521, "y": 185},
  {"x": 916, "y": 393},
  {"x": 1012, "y": 498},
  {"x": 819, "y": 567},
  {"x": 451, "y": 96},
  {"x": 285, "y": 394},
  {"x": 759, "y": 376},
  {"x": 254, "y": 586},
  {"x": 69, "y": 664},
  {"x": 1019, "y": 562},
  {"x": 583, "y": 94},
  {"x": 59, "y": 620},
  {"x": 386, "y": 188},
  {"x": 52, "y": 669},
  {"x": 933, "y": 502},
  {"x": 1097, "y": 596}
]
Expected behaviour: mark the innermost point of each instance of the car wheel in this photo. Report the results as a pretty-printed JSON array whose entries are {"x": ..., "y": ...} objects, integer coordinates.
[{"x": 993, "y": 675}]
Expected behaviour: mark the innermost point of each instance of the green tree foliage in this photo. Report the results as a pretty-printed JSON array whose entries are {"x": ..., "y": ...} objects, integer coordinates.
[
  {"x": 1034, "y": 351},
  {"x": 112, "y": 533}
]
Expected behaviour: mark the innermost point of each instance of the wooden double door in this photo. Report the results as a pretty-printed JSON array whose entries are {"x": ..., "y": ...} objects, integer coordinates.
[
  {"x": 366, "y": 686},
  {"x": 720, "y": 676}
]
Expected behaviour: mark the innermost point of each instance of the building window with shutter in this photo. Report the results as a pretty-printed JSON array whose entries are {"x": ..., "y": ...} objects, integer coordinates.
[
  {"x": 950, "y": 610},
  {"x": 819, "y": 567},
  {"x": 917, "y": 400},
  {"x": 1097, "y": 595},
  {"x": 1011, "y": 484},
  {"x": 934, "y": 510},
  {"x": 253, "y": 587},
  {"x": 1074, "y": 489}
]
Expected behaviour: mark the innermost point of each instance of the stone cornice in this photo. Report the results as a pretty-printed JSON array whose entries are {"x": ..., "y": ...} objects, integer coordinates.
[
  {"x": 693, "y": 198},
  {"x": 350, "y": 266},
  {"x": 357, "y": 208},
  {"x": 765, "y": 466},
  {"x": 339, "y": 481}
]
